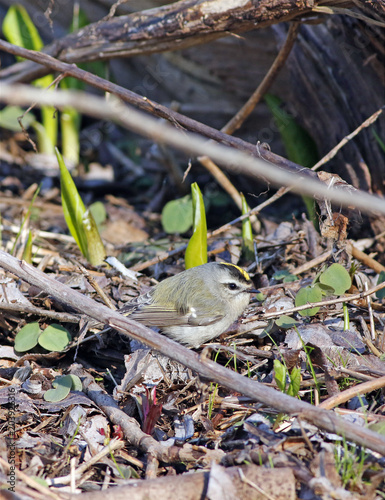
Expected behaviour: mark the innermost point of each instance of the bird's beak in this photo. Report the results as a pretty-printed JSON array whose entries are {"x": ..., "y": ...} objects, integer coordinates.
[{"x": 253, "y": 290}]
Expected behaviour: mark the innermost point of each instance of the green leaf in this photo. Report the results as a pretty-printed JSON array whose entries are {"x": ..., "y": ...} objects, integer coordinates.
[
  {"x": 285, "y": 275},
  {"x": 54, "y": 338},
  {"x": 311, "y": 209},
  {"x": 61, "y": 389},
  {"x": 79, "y": 220},
  {"x": 380, "y": 294},
  {"x": 95, "y": 247},
  {"x": 27, "y": 252},
  {"x": 299, "y": 145},
  {"x": 280, "y": 275},
  {"x": 286, "y": 322},
  {"x": 346, "y": 316},
  {"x": 73, "y": 206},
  {"x": 260, "y": 296},
  {"x": 76, "y": 383},
  {"x": 70, "y": 126},
  {"x": 70, "y": 120},
  {"x": 177, "y": 215},
  {"x": 308, "y": 294},
  {"x": 26, "y": 218},
  {"x": 325, "y": 289},
  {"x": 280, "y": 375},
  {"x": 380, "y": 142},
  {"x": 337, "y": 277},
  {"x": 19, "y": 29},
  {"x": 247, "y": 233},
  {"x": 290, "y": 278},
  {"x": 196, "y": 252},
  {"x": 295, "y": 382},
  {"x": 40, "y": 480},
  {"x": 99, "y": 213},
  {"x": 43, "y": 140},
  {"x": 49, "y": 118},
  {"x": 9, "y": 116},
  {"x": 27, "y": 337}
]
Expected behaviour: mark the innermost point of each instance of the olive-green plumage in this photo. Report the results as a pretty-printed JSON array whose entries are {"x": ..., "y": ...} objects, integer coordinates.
[{"x": 195, "y": 305}]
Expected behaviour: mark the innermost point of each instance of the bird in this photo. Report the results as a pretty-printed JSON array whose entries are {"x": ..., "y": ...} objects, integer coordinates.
[{"x": 196, "y": 305}]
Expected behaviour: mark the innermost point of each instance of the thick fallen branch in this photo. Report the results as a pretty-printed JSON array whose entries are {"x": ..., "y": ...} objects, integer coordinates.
[
  {"x": 206, "y": 368},
  {"x": 171, "y": 27},
  {"x": 175, "y": 26}
]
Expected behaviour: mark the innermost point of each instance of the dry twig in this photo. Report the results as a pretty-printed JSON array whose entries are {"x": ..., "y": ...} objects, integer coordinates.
[
  {"x": 357, "y": 390},
  {"x": 348, "y": 298}
]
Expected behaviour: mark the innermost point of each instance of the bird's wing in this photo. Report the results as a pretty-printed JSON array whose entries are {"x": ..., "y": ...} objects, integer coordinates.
[
  {"x": 206, "y": 311},
  {"x": 142, "y": 309},
  {"x": 152, "y": 315}
]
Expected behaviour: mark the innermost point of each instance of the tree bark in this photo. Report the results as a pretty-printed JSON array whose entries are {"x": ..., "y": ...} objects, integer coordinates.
[{"x": 174, "y": 27}]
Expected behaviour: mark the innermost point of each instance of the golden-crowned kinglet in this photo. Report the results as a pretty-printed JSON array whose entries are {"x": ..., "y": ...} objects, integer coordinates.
[{"x": 195, "y": 305}]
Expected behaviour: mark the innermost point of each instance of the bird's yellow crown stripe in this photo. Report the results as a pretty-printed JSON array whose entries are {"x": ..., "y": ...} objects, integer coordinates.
[{"x": 242, "y": 271}]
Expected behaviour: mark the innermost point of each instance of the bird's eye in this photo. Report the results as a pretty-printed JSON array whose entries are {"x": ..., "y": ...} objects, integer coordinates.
[{"x": 232, "y": 286}]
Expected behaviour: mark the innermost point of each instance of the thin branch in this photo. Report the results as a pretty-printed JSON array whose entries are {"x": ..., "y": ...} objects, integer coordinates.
[
  {"x": 235, "y": 123},
  {"x": 313, "y": 263},
  {"x": 357, "y": 390},
  {"x": 310, "y": 305},
  {"x": 39, "y": 311},
  {"x": 254, "y": 211},
  {"x": 222, "y": 180},
  {"x": 369, "y": 121}
]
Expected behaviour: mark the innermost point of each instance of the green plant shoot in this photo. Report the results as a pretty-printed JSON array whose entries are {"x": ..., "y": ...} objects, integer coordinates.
[
  {"x": 280, "y": 375},
  {"x": 79, "y": 220},
  {"x": 380, "y": 294},
  {"x": 247, "y": 233},
  {"x": 27, "y": 252},
  {"x": 25, "y": 218},
  {"x": 70, "y": 125},
  {"x": 346, "y": 316},
  {"x": 19, "y": 29},
  {"x": 196, "y": 252}
]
